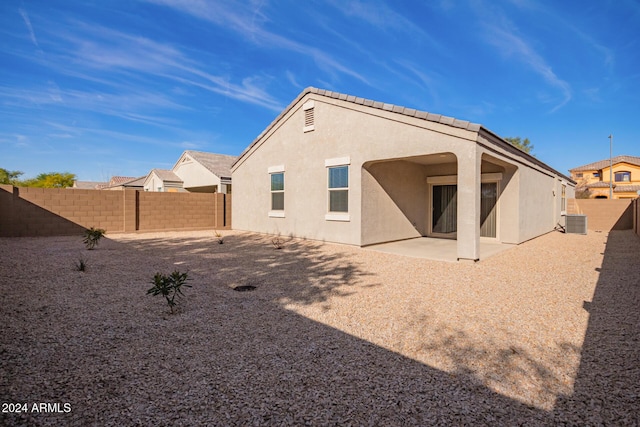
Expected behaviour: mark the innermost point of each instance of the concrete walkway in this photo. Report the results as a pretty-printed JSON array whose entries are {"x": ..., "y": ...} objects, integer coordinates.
[{"x": 435, "y": 249}]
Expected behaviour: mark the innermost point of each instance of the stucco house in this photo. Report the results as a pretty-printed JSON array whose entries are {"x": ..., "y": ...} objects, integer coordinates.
[
  {"x": 594, "y": 178},
  {"x": 163, "y": 180},
  {"x": 344, "y": 169},
  {"x": 195, "y": 172},
  {"x": 203, "y": 172}
]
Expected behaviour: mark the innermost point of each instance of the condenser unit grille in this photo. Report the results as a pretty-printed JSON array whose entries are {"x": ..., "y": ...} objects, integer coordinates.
[{"x": 576, "y": 224}]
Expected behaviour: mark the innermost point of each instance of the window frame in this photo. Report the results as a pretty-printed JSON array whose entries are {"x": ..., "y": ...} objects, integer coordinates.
[
  {"x": 622, "y": 174},
  {"x": 272, "y": 171},
  {"x": 330, "y": 164}
]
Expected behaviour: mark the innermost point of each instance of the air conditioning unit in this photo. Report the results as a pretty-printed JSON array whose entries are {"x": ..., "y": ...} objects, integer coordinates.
[{"x": 576, "y": 224}]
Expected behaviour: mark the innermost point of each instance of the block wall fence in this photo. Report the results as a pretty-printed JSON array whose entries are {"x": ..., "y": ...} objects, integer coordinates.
[
  {"x": 605, "y": 214},
  {"x": 62, "y": 211}
]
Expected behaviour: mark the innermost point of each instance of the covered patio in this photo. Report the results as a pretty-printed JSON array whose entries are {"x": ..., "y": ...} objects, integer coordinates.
[{"x": 441, "y": 205}]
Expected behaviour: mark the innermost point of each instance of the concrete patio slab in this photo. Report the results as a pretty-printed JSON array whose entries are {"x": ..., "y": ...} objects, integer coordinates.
[{"x": 435, "y": 249}]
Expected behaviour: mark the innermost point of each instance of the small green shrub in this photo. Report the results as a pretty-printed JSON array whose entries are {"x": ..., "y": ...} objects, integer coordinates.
[
  {"x": 92, "y": 236},
  {"x": 169, "y": 286},
  {"x": 81, "y": 265},
  {"x": 219, "y": 236}
]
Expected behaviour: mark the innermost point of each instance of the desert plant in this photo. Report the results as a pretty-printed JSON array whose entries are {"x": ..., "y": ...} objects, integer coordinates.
[
  {"x": 277, "y": 242},
  {"x": 219, "y": 236},
  {"x": 81, "y": 265},
  {"x": 169, "y": 286},
  {"x": 92, "y": 236}
]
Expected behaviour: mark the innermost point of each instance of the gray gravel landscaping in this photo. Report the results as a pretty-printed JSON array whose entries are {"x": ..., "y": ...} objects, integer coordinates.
[{"x": 546, "y": 333}]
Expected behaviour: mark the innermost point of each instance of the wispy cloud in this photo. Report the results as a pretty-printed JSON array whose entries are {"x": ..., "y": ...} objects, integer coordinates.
[
  {"x": 501, "y": 33},
  {"x": 248, "y": 21},
  {"x": 425, "y": 81},
  {"x": 380, "y": 16},
  {"x": 27, "y": 22}
]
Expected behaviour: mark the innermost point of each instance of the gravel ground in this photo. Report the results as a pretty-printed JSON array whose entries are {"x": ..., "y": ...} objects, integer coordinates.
[{"x": 545, "y": 333}]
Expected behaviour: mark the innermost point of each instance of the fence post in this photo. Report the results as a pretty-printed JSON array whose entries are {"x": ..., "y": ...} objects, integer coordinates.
[{"x": 130, "y": 210}]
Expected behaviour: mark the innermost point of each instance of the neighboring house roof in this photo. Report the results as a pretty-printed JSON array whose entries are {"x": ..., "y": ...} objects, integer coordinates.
[
  {"x": 123, "y": 181},
  {"x": 599, "y": 184},
  {"x": 601, "y": 164},
  {"x": 138, "y": 182},
  {"x": 166, "y": 175},
  {"x": 626, "y": 189},
  {"x": 410, "y": 112},
  {"x": 218, "y": 164},
  {"x": 119, "y": 180},
  {"x": 88, "y": 185}
]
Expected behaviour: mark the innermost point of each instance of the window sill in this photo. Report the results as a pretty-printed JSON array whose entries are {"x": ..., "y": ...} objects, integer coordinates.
[
  {"x": 276, "y": 214},
  {"x": 337, "y": 217}
]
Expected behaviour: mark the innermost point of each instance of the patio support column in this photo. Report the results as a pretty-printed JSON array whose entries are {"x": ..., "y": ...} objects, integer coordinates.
[{"x": 469, "y": 179}]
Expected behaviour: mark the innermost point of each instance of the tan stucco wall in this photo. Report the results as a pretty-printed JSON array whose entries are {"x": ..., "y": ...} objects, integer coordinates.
[{"x": 396, "y": 201}]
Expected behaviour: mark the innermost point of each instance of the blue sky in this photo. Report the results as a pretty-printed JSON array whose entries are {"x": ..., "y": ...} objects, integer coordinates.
[{"x": 120, "y": 87}]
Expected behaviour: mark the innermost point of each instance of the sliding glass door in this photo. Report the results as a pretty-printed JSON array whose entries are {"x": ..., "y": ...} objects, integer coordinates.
[
  {"x": 444, "y": 210},
  {"x": 488, "y": 214}
]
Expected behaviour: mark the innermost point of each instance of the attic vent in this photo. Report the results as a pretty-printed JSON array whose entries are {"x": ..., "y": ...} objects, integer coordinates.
[
  {"x": 308, "y": 117},
  {"x": 576, "y": 224},
  {"x": 309, "y": 123}
]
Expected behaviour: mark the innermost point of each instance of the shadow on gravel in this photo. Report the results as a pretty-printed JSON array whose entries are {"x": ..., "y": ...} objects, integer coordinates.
[
  {"x": 607, "y": 386},
  {"x": 242, "y": 358}
]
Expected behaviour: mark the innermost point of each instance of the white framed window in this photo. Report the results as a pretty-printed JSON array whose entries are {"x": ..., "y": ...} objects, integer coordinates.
[
  {"x": 338, "y": 189},
  {"x": 277, "y": 191},
  {"x": 276, "y": 178}
]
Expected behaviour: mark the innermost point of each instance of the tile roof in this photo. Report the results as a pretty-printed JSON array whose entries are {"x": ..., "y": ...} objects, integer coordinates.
[
  {"x": 218, "y": 164},
  {"x": 166, "y": 175},
  {"x": 627, "y": 188},
  {"x": 137, "y": 182},
  {"x": 601, "y": 164},
  {"x": 410, "y": 112},
  {"x": 450, "y": 121},
  {"x": 599, "y": 184},
  {"x": 88, "y": 185},
  {"x": 119, "y": 180}
]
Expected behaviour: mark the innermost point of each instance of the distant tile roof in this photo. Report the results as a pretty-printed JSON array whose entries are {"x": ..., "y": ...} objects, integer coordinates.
[
  {"x": 119, "y": 180},
  {"x": 601, "y": 164},
  {"x": 137, "y": 182},
  {"x": 627, "y": 188},
  {"x": 218, "y": 164},
  {"x": 166, "y": 175},
  {"x": 599, "y": 184},
  {"x": 88, "y": 185}
]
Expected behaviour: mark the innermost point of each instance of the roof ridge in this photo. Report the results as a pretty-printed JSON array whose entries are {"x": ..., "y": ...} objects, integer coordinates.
[
  {"x": 605, "y": 162},
  {"x": 411, "y": 112}
]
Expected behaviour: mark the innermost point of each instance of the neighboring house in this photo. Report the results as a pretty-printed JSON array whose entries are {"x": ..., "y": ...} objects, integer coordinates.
[
  {"x": 344, "y": 169},
  {"x": 163, "y": 180},
  {"x": 202, "y": 172},
  {"x": 594, "y": 179}
]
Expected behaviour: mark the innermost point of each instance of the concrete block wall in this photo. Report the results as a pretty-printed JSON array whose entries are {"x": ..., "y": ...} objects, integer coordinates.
[
  {"x": 164, "y": 211},
  {"x": 53, "y": 211},
  {"x": 604, "y": 214}
]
